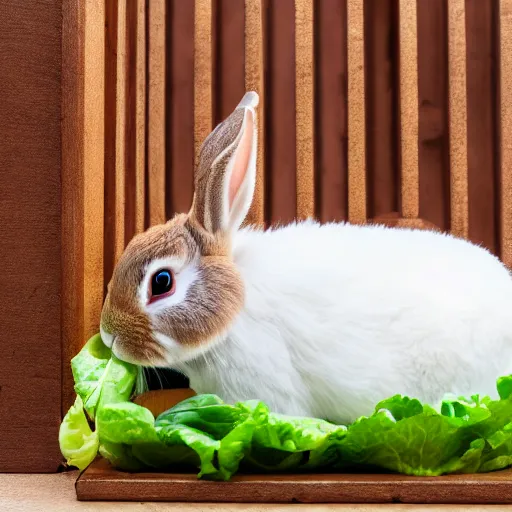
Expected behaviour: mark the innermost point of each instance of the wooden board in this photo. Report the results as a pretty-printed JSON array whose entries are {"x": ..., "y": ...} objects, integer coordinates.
[
  {"x": 30, "y": 247},
  {"x": 101, "y": 482}
]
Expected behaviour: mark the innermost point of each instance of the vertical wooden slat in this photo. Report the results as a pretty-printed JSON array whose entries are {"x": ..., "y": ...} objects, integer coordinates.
[
  {"x": 180, "y": 112},
  {"x": 481, "y": 123},
  {"x": 356, "y": 113},
  {"x": 82, "y": 183},
  {"x": 203, "y": 116},
  {"x": 304, "y": 107},
  {"x": 130, "y": 122},
  {"x": 458, "y": 116},
  {"x": 140, "y": 120},
  {"x": 280, "y": 157},
  {"x": 409, "y": 108},
  {"x": 230, "y": 56},
  {"x": 156, "y": 111},
  {"x": 94, "y": 101},
  {"x": 433, "y": 115},
  {"x": 331, "y": 136},
  {"x": 254, "y": 82},
  {"x": 383, "y": 180},
  {"x": 505, "y": 48},
  {"x": 109, "y": 224},
  {"x": 119, "y": 241}
]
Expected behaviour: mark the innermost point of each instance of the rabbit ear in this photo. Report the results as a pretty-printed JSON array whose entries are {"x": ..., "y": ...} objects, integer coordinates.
[{"x": 226, "y": 171}]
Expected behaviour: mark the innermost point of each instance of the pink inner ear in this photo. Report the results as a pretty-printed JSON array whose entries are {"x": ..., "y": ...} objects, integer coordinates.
[{"x": 242, "y": 156}]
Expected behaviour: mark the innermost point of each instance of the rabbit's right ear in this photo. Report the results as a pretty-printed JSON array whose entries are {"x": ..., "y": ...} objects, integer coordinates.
[{"x": 226, "y": 170}]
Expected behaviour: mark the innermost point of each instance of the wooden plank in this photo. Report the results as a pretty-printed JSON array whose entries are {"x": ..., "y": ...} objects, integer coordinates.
[
  {"x": 409, "y": 108},
  {"x": 356, "y": 113},
  {"x": 156, "y": 111},
  {"x": 331, "y": 139},
  {"x": 481, "y": 124},
  {"x": 30, "y": 216},
  {"x": 230, "y": 56},
  {"x": 304, "y": 107},
  {"x": 100, "y": 482},
  {"x": 94, "y": 101},
  {"x": 119, "y": 217},
  {"x": 383, "y": 177},
  {"x": 109, "y": 235},
  {"x": 458, "y": 117},
  {"x": 140, "y": 121},
  {"x": 130, "y": 121},
  {"x": 280, "y": 158},
  {"x": 180, "y": 101},
  {"x": 82, "y": 182},
  {"x": 72, "y": 183},
  {"x": 203, "y": 116},
  {"x": 505, "y": 79},
  {"x": 254, "y": 71},
  {"x": 433, "y": 113}
]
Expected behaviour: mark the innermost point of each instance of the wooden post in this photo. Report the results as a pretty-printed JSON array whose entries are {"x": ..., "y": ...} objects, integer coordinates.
[
  {"x": 356, "y": 113},
  {"x": 458, "y": 117}
]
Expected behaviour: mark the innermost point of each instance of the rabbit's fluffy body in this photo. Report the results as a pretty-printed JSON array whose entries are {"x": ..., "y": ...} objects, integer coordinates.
[
  {"x": 338, "y": 317},
  {"x": 316, "y": 320}
]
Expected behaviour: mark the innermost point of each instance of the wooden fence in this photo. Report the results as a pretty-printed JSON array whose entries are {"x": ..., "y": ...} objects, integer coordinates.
[{"x": 369, "y": 109}]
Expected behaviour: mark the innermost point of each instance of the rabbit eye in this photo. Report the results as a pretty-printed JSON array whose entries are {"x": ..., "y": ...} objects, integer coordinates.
[{"x": 162, "y": 284}]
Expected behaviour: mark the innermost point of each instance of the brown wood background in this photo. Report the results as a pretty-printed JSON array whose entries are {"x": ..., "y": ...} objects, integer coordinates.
[
  {"x": 30, "y": 235},
  {"x": 369, "y": 109},
  {"x": 171, "y": 191}
]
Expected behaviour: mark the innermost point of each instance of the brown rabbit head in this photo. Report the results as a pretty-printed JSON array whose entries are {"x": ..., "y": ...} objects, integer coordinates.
[{"x": 175, "y": 290}]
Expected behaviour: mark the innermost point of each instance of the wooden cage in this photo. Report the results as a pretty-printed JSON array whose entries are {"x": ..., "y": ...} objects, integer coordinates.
[{"x": 396, "y": 111}]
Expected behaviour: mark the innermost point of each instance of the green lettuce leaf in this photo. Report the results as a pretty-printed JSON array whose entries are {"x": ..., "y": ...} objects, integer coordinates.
[{"x": 78, "y": 443}]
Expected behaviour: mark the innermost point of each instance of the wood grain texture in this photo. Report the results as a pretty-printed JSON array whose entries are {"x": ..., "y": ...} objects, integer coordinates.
[
  {"x": 36, "y": 493},
  {"x": 82, "y": 181},
  {"x": 304, "y": 107},
  {"x": 505, "y": 113},
  {"x": 72, "y": 183},
  {"x": 331, "y": 111},
  {"x": 458, "y": 117},
  {"x": 156, "y": 111},
  {"x": 381, "y": 101},
  {"x": 94, "y": 102},
  {"x": 230, "y": 55},
  {"x": 409, "y": 108},
  {"x": 203, "y": 115},
  {"x": 30, "y": 220},
  {"x": 100, "y": 482},
  {"x": 121, "y": 130},
  {"x": 140, "y": 117},
  {"x": 481, "y": 124},
  {"x": 109, "y": 214},
  {"x": 357, "y": 208},
  {"x": 434, "y": 168},
  {"x": 254, "y": 81},
  {"x": 180, "y": 108},
  {"x": 280, "y": 153},
  {"x": 130, "y": 121}
]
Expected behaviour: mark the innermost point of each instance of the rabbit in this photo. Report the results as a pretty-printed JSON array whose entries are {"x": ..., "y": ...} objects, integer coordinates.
[{"x": 317, "y": 320}]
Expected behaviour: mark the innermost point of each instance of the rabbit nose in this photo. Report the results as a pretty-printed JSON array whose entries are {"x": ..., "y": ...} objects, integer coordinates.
[{"x": 106, "y": 337}]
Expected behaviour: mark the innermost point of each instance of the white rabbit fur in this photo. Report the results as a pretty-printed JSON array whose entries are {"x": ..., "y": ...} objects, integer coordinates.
[{"x": 338, "y": 317}]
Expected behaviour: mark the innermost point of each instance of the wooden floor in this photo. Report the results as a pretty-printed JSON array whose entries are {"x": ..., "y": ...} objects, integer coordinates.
[{"x": 56, "y": 493}]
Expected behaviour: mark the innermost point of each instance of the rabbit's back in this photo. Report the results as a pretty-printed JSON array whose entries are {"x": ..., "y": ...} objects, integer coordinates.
[{"x": 361, "y": 313}]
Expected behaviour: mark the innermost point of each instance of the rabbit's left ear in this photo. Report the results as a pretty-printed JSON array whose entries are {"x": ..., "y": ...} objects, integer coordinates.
[{"x": 226, "y": 172}]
